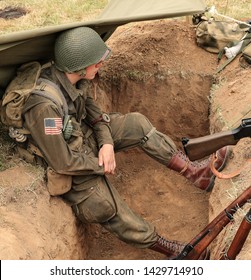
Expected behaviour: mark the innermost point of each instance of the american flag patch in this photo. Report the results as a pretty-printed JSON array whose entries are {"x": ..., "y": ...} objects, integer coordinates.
[{"x": 53, "y": 126}]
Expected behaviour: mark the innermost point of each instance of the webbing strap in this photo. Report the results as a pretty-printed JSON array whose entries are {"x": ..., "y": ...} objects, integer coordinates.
[
  {"x": 146, "y": 137},
  {"x": 221, "y": 67},
  {"x": 51, "y": 91}
]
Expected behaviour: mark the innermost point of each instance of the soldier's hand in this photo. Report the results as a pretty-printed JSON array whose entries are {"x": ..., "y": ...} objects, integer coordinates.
[{"x": 106, "y": 158}]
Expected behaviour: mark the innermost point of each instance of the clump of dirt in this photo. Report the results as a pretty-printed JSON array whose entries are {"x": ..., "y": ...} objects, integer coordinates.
[
  {"x": 12, "y": 12},
  {"x": 157, "y": 69}
]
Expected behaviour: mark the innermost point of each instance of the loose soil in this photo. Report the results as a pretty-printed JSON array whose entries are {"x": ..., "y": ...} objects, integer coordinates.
[{"x": 157, "y": 69}]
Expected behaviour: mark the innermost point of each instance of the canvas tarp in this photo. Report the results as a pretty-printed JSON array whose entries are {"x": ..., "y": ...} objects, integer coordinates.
[{"x": 24, "y": 46}]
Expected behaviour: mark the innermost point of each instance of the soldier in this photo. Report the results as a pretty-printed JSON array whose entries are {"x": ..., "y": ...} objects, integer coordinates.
[{"x": 78, "y": 142}]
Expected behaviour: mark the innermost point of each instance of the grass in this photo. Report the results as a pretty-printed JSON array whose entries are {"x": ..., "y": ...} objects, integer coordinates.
[
  {"x": 6, "y": 148},
  {"x": 50, "y": 12},
  {"x": 19, "y": 192},
  {"x": 232, "y": 8}
]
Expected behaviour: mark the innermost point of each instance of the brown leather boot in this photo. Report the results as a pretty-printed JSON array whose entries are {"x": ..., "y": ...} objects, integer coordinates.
[
  {"x": 166, "y": 247},
  {"x": 199, "y": 172},
  {"x": 173, "y": 248}
]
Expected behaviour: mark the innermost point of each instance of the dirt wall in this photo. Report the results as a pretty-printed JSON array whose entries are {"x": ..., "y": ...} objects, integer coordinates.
[{"x": 230, "y": 104}]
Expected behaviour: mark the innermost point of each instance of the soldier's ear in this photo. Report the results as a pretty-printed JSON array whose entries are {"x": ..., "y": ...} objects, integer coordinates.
[{"x": 82, "y": 72}]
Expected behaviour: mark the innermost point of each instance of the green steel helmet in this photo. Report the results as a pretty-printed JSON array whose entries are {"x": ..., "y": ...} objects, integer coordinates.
[{"x": 78, "y": 48}]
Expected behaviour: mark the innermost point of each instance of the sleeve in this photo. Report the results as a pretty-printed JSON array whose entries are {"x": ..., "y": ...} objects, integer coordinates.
[
  {"x": 101, "y": 129},
  {"x": 45, "y": 125}
]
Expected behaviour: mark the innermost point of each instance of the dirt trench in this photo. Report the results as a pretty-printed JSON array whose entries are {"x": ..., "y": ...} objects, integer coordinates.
[{"x": 156, "y": 69}]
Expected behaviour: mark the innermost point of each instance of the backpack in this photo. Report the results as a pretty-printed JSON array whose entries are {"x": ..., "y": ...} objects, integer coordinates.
[
  {"x": 217, "y": 36},
  {"x": 245, "y": 59},
  {"x": 213, "y": 35},
  {"x": 27, "y": 81}
]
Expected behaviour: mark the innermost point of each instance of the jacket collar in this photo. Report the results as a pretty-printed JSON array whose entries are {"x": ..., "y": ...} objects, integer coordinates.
[{"x": 71, "y": 90}]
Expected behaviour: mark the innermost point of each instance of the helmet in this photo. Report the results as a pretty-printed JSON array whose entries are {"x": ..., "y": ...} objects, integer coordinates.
[{"x": 78, "y": 48}]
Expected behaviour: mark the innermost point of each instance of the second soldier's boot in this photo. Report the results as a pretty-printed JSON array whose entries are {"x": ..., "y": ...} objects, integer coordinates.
[
  {"x": 169, "y": 248},
  {"x": 172, "y": 248},
  {"x": 199, "y": 172}
]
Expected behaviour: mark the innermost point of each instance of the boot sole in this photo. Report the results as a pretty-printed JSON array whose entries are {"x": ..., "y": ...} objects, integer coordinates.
[{"x": 212, "y": 181}]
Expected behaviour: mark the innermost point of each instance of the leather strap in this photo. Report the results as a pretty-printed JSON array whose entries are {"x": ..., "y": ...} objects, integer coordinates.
[{"x": 220, "y": 175}]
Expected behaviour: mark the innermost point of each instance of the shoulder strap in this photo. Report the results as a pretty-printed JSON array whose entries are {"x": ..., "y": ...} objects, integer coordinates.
[{"x": 52, "y": 92}]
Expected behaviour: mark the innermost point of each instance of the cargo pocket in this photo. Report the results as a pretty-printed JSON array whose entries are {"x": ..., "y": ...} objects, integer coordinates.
[{"x": 99, "y": 207}]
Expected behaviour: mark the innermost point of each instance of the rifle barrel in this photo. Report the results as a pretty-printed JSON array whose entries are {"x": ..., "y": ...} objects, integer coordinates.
[
  {"x": 239, "y": 238},
  {"x": 208, "y": 234}
]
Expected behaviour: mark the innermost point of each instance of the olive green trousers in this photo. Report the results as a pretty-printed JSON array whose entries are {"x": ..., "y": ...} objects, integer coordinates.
[{"x": 97, "y": 201}]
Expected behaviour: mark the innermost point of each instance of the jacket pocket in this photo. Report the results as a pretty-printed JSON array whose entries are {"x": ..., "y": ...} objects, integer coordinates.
[{"x": 58, "y": 184}]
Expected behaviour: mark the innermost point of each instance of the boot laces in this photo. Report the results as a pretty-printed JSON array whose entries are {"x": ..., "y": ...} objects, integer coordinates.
[
  {"x": 174, "y": 246},
  {"x": 195, "y": 164}
]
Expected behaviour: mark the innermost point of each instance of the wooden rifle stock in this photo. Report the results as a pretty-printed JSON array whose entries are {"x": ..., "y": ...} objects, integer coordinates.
[
  {"x": 200, "y": 242},
  {"x": 200, "y": 147},
  {"x": 239, "y": 238}
]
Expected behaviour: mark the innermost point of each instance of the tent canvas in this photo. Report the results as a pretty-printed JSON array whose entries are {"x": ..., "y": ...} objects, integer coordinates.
[{"x": 24, "y": 46}]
